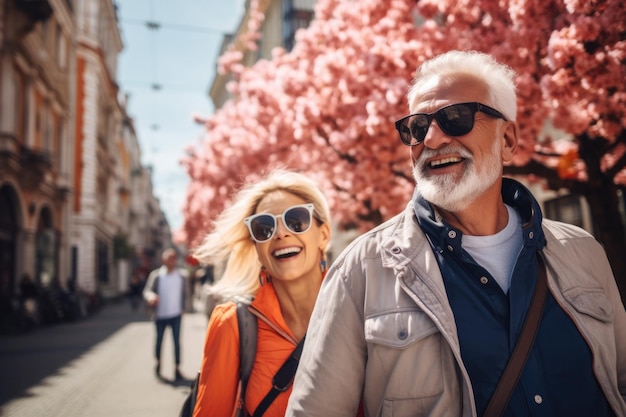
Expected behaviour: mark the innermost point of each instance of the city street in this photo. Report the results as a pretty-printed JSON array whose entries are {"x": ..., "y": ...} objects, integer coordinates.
[{"x": 101, "y": 366}]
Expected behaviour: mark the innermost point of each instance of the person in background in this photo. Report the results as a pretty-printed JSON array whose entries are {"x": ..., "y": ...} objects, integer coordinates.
[
  {"x": 274, "y": 239},
  {"x": 29, "y": 300},
  {"x": 210, "y": 298},
  {"x": 29, "y": 290},
  {"x": 135, "y": 290},
  {"x": 419, "y": 316},
  {"x": 166, "y": 292}
]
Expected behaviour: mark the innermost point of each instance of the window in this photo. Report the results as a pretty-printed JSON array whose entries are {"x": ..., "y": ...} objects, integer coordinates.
[
  {"x": 59, "y": 147},
  {"x": 48, "y": 129},
  {"x": 102, "y": 261},
  {"x": 60, "y": 48},
  {"x": 295, "y": 16},
  {"x": 20, "y": 106}
]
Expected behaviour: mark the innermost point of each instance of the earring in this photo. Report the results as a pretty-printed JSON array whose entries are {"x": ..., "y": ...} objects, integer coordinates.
[
  {"x": 262, "y": 276},
  {"x": 323, "y": 266}
]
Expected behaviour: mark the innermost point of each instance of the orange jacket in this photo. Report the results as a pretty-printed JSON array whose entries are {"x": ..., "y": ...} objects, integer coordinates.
[{"x": 219, "y": 372}]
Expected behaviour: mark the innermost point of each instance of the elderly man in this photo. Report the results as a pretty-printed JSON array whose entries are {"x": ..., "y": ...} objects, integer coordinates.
[{"x": 422, "y": 315}]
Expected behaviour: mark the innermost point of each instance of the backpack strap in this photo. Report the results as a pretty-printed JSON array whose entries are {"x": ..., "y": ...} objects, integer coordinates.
[{"x": 247, "y": 324}]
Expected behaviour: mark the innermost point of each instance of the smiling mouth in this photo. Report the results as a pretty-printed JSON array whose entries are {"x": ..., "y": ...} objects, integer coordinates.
[
  {"x": 286, "y": 252},
  {"x": 445, "y": 162}
]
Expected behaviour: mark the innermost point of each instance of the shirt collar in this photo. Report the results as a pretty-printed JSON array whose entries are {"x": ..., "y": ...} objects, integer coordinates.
[{"x": 442, "y": 235}]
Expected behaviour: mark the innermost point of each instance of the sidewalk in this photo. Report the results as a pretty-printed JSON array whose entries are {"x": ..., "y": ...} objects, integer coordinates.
[{"x": 99, "y": 366}]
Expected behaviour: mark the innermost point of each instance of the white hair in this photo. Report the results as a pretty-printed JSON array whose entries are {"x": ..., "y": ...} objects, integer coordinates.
[{"x": 499, "y": 78}]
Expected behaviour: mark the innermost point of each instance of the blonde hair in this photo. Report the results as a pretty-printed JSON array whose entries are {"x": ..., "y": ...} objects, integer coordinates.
[
  {"x": 230, "y": 240},
  {"x": 499, "y": 78}
]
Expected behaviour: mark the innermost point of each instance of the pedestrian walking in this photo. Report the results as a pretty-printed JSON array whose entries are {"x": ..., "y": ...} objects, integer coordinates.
[{"x": 166, "y": 292}]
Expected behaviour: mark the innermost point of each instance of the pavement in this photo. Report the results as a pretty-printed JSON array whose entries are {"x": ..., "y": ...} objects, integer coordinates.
[{"x": 100, "y": 366}]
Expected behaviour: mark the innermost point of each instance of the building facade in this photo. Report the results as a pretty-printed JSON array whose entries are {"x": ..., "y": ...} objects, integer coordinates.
[
  {"x": 77, "y": 208},
  {"x": 97, "y": 130},
  {"x": 35, "y": 140},
  {"x": 117, "y": 224}
]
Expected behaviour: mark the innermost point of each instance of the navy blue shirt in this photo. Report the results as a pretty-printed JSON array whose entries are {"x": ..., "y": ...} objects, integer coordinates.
[{"x": 558, "y": 379}]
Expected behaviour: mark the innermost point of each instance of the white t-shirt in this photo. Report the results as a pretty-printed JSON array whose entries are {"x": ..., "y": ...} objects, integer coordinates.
[
  {"x": 498, "y": 253},
  {"x": 170, "y": 290}
]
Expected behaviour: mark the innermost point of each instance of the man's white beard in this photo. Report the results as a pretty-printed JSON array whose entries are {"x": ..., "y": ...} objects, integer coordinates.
[{"x": 450, "y": 192}]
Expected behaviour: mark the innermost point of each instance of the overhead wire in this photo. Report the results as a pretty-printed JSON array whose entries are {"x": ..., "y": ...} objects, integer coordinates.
[
  {"x": 153, "y": 25},
  {"x": 155, "y": 85},
  {"x": 173, "y": 26}
]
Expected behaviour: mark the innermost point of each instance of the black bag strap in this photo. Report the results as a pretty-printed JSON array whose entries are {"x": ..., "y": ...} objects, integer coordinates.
[
  {"x": 508, "y": 381},
  {"x": 190, "y": 401},
  {"x": 282, "y": 380},
  {"x": 247, "y": 324}
]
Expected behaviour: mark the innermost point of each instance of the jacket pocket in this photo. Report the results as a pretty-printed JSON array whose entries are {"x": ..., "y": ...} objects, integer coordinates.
[
  {"x": 592, "y": 302},
  {"x": 398, "y": 329},
  {"x": 405, "y": 358}
]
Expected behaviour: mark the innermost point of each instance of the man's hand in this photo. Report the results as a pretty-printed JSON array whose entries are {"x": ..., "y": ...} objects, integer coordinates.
[{"x": 152, "y": 302}]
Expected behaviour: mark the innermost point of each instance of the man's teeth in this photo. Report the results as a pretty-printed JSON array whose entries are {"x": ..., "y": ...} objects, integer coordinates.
[
  {"x": 287, "y": 251},
  {"x": 450, "y": 160}
]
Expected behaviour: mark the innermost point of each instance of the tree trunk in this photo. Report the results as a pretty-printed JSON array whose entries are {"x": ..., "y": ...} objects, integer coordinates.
[
  {"x": 602, "y": 195},
  {"x": 604, "y": 205}
]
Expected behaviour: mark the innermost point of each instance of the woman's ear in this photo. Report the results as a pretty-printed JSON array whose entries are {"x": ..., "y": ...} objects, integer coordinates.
[
  {"x": 324, "y": 236},
  {"x": 509, "y": 136}
]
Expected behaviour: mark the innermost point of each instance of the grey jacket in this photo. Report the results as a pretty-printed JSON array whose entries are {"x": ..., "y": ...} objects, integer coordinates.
[{"x": 359, "y": 346}]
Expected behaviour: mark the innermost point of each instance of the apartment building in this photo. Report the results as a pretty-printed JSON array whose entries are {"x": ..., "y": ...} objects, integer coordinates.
[
  {"x": 117, "y": 224},
  {"x": 77, "y": 208},
  {"x": 36, "y": 66}
]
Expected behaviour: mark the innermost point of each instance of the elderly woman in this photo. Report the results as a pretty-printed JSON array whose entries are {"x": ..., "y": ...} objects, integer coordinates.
[{"x": 274, "y": 238}]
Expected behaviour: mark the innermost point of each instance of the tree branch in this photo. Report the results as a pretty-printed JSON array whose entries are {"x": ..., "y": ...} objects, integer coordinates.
[
  {"x": 550, "y": 175},
  {"x": 619, "y": 165},
  {"x": 621, "y": 162},
  {"x": 351, "y": 159}
]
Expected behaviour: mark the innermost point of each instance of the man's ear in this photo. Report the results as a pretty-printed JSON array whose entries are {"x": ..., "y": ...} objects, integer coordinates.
[{"x": 509, "y": 136}]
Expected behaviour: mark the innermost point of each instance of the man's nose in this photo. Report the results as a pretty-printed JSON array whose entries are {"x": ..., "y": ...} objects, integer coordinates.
[{"x": 435, "y": 137}]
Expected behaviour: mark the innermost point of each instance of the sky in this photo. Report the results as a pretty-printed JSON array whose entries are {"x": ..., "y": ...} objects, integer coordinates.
[{"x": 180, "y": 56}]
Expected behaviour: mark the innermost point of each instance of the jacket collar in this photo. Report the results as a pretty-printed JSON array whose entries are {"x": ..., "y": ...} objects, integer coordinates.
[
  {"x": 163, "y": 271},
  {"x": 266, "y": 307}
]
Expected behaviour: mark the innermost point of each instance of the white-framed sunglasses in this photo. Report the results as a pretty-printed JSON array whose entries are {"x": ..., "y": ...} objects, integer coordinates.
[{"x": 297, "y": 219}]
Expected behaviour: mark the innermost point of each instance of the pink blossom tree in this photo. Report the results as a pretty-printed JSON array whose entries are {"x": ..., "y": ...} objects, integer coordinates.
[{"x": 327, "y": 107}]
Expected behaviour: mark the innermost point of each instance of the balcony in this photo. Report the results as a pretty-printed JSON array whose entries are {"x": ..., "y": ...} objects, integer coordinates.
[
  {"x": 124, "y": 191},
  {"x": 9, "y": 151},
  {"x": 63, "y": 186},
  {"x": 35, "y": 164},
  {"x": 34, "y": 159},
  {"x": 38, "y": 10}
]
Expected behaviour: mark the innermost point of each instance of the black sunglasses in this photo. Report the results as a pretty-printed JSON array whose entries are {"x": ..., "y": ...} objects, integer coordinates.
[
  {"x": 297, "y": 219},
  {"x": 453, "y": 120}
]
